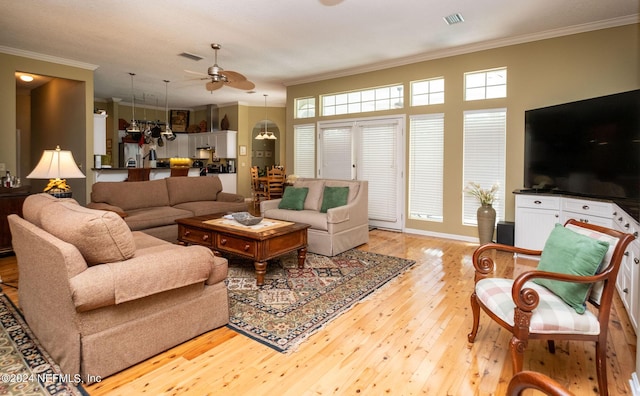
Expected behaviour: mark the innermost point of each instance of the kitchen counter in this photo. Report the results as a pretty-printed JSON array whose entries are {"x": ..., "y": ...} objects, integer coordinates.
[{"x": 229, "y": 180}]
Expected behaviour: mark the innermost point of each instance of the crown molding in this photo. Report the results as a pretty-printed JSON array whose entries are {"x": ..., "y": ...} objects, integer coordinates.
[
  {"x": 467, "y": 49},
  {"x": 47, "y": 58}
]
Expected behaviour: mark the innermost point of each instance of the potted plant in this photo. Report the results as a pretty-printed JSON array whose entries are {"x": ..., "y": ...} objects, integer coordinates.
[{"x": 486, "y": 214}]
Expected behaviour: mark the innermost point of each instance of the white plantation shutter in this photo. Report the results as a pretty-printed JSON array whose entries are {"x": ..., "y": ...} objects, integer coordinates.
[
  {"x": 379, "y": 165},
  {"x": 426, "y": 164},
  {"x": 304, "y": 150},
  {"x": 336, "y": 154},
  {"x": 484, "y": 157}
]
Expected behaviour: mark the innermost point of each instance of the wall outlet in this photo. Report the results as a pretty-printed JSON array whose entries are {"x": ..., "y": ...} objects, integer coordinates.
[{"x": 2, "y": 167}]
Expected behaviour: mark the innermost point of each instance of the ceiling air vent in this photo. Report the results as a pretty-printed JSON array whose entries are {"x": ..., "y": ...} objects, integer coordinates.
[
  {"x": 191, "y": 56},
  {"x": 453, "y": 19}
]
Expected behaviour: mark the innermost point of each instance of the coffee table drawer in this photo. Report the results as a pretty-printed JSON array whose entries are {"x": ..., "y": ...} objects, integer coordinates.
[
  {"x": 194, "y": 235},
  {"x": 232, "y": 244}
]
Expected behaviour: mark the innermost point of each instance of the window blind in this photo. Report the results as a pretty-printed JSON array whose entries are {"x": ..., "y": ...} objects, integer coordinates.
[
  {"x": 484, "y": 157},
  {"x": 304, "y": 150},
  {"x": 426, "y": 164}
]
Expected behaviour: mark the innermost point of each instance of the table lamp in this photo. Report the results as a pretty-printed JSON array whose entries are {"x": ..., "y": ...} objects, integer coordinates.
[{"x": 57, "y": 165}]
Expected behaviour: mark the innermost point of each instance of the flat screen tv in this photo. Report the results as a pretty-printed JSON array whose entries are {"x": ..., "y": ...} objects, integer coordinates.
[{"x": 588, "y": 148}]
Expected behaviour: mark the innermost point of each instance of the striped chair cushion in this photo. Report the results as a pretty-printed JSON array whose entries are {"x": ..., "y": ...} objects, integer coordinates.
[{"x": 552, "y": 316}]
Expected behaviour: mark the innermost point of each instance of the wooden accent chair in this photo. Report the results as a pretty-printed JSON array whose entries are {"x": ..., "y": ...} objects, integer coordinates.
[
  {"x": 138, "y": 174},
  {"x": 179, "y": 172},
  {"x": 275, "y": 183},
  {"x": 531, "y": 311},
  {"x": 258, "y": 189},
  {"x": 533, "y": 380}
]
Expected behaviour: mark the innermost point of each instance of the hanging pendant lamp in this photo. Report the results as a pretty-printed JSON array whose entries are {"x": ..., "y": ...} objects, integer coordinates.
[
  {"x": 265, "y": 134},
  {"x": 168, "y": 133},
  {"x": 133, "y": 128}
]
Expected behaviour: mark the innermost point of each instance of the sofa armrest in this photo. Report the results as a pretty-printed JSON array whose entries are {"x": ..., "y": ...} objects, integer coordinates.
[
  {"x": 144, "y": 275},
  {"x": 268, "y": 205},
  {"x": 106, "y": 206},
  {"x": 229, "y": 197}
]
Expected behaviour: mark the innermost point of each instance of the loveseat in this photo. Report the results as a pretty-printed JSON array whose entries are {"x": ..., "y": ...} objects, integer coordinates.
[
  {"x": 153, "y": 206},
  {"x": 100, "y": 297},
  {"x": 344, "y": 224}
]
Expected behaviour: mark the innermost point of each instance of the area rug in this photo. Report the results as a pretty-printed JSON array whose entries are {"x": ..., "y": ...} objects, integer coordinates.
[
  {"x": 25, "y": 367},
  {"x": 294, "y": 303}
]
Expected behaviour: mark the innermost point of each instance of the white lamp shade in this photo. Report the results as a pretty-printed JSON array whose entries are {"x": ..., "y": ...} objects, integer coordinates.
[{"x": 56, "y": 164}]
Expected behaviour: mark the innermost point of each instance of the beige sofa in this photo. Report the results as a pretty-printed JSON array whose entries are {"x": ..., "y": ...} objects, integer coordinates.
[
  {"x": 153, "y": 206},
  {"x": 100, "y": 297},
  {"x": 340, "y": 228}
]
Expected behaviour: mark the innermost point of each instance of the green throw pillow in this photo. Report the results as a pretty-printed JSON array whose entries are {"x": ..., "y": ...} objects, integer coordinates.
[
  {"x": 333, "y": 197},
  {"x": 568, "y": 252},
  {"x": 293, "y": 198}
]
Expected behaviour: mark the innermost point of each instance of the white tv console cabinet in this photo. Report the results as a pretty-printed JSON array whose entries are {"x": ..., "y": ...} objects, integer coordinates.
[{"x": 536, "y": 215}]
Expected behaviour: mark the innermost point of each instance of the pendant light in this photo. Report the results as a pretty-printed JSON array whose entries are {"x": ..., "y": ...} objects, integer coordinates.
[
  {"x": 133, "y": 128},
  {"x": 265, "y": 134},
  {"x": 168, "y": 133}
]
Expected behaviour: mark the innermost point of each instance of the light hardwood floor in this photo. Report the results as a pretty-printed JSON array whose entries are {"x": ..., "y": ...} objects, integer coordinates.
[{"x": 409, "y": 338}]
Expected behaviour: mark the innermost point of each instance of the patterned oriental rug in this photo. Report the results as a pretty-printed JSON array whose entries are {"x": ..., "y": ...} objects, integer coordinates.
[
  {"x": 25, "y": 367},
  {"x": 295, "y": 303}
]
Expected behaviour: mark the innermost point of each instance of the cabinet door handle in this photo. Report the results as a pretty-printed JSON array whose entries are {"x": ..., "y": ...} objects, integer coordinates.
[
  {"x": 625, "y": 290},
  {"x": 626, "y": 254},
  {"x": 187, "y": 233},
  {"x": 636, "y": 260},
  {"x": 537, "y": 202},
  {"x": 635, "y": 234},
  {"x": 585, "y": 207},
  {"x": 223, "y": 241},
  {"x": 247, "y": 247},
  {"x": 557, "y": 215},
  {"x": 626, "y": 225},
  {"x": 619, "y": 218},
  {"x": 205, "y": 237}
]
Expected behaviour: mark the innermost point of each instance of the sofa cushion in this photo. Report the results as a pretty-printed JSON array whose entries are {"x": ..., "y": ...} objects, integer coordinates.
[
  {"x": 100, "y": 236},
  {"x": 314, "y": 196},
  {"x": 568, "y": 252},
  {"x": 142, "y": 219},
  {"x": 131, "y": 195},
  {"x": 354, "y": 187},
  {"x": 192, "y": 189},
  {"x": 293, "y": 198},
  {"x": 201, "y": 208},
  {"x": 33, "y": 205},
  {"x": 332, "y": 197},
  {"x": 314, "y": 218}
]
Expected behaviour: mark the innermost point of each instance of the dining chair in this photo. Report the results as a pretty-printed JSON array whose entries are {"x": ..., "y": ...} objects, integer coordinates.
[
  {"x": 275, "y": 183},
  {"x": 533, "y": 380},
  {"x": 258, "y": 188},
  {"x": 578, "y": 265}
]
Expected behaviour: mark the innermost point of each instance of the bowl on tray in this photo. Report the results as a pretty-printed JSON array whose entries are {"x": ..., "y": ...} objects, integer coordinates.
[{"x": 245, "y": 218}]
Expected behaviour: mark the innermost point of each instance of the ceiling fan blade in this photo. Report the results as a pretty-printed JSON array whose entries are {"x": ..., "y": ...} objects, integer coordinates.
[
  {"x": 245, "y": 85},
  {"x": 233, "y": 76},
  {"x": 212, "y": 86}
]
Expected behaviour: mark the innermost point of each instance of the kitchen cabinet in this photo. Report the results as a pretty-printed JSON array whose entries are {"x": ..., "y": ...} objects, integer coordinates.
[
  {"x": 226, "y": 143},
  {"x": 628, "y": 282},
  {"x": 587, "y": 211},
  {"x": 200, "y": 140},
  {"x": 178, "y": 148},
  {"x": 536, "y": 215}
]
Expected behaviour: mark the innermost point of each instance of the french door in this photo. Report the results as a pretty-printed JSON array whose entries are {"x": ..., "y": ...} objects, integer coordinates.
[{"x": 369, "y": 149}]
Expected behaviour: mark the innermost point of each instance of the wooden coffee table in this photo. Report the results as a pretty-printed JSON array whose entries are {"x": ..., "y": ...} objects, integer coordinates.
[{"x": 259, "y": 245}]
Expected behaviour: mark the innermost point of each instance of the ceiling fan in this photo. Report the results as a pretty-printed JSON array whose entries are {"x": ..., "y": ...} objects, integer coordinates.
[{"x": 219, "y": 77}]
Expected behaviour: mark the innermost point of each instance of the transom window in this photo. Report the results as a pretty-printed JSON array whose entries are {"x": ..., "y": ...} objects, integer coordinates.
[
  {"x": 372, "y": 99},
  {"x": 305, "y": 107},
  {"x": 485, "y": 84},
  {"x": 427, "y": 92}
]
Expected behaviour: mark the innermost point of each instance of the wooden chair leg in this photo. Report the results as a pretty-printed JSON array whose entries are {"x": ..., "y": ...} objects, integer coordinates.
[
  {"x": 475, "y": 308},
  {"x": 601, "y": 367},
  {"x": 517, "y": 348}
]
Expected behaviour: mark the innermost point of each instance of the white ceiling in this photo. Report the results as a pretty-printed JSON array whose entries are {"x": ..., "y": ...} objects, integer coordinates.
[{"x": 274, "y": 42}]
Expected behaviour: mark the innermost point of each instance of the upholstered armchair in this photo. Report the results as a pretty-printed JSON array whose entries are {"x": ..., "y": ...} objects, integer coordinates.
[{"x": 578, "y": 264}]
